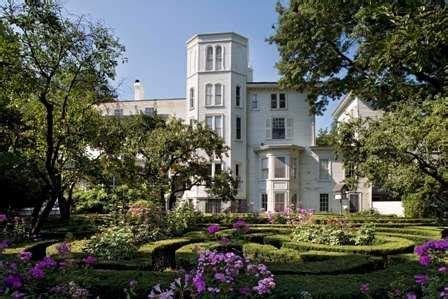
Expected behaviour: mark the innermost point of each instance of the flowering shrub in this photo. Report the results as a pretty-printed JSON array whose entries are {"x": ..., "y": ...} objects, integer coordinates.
[
  {"x": 221, "y": 274},
  {"x": 213, "y": 229},
  {"x": 180, "y": 220},
  {"x": 23, "y": 278},
  {"x": 434, "y": 256},
  {"x": 14, "y": 229},
  {"x": 241, "y": 226},
  {"x": 111, "y": 243},
  {"x": 334, "y": 235},
  {"x": 300, "y": 217}
]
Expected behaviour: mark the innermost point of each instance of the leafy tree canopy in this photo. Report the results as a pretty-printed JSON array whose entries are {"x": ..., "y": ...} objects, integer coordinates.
[{"x": 386, "y": 52}]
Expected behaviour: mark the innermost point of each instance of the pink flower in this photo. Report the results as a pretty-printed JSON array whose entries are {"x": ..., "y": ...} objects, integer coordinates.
[
  {"x": 443, "y": 269},
  {"x": 63, "y": 248},
  {"x": 25, "y": 256},
  {"x": 241, "y": 226},
  {"x": 90, "y": 260}
]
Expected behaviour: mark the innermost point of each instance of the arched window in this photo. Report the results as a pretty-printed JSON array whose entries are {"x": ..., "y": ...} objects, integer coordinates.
[
  {"x": 208, "y": 94},
  {"x": 192, "y": 98},
  {"x": 218, "y": 58},
  {"x": 218, "y": 94},
  {"x": 209, "y": 59},
  {"x": 238, "y": 96}
]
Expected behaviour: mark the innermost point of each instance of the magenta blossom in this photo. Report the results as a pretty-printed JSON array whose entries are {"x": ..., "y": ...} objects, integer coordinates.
[
  {"x": 443, "y": 269},
  {"x": 411, "y": 295},
  {"x": 421, "y": 279},
  {"x": 213, "y": 229},
  {"x": 25, "y": 256},
  {"x": 37, "y": 272},
  {"x": 90, "y": 260},
  {"x": 241, "y": 226},
  {"x": 199, "y": 283}
]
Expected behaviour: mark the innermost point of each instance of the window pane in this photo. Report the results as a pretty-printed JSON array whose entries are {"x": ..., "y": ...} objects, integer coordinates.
[
  {"x": 209, "y": 121},
  {"x": 279, "y": 202},
  {"x": 208, "y": 94},
  {"x": 218, "y": 94},
  {"x": 264, "y": 202},
  {"x": 273, "y": 101},
  {"x": 237, "y": 170},
  {"x": 280, "y": 167},
  {"x": 323, "y": 202},
  {"x": 278, "y": 128},
  {"x": 209, "y": 62},
  {"x": 191, "y": 97},
  {"x": 323, "y": 169},
  {"x": 218, "y": 125},
  {"x": 218, "y": 62},
  {"x": 217, "y": 168},
  {"x": 282, "y": 102},
  {"x": 254, "y": 103},
  {"x": 264, "y": 168},
  {"x": 237, "y": 96},
  {"x": 238, "y": 128}
]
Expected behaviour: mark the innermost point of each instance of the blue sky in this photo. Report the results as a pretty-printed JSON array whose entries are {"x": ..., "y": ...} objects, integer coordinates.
[{"x": 154, "y": 33}]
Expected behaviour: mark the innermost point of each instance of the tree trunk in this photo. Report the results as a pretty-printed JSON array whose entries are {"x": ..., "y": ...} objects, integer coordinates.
[
  {"x": 172, "y": 201},
  {"x": 64, "y": 208},
  {"x": 43, "y": 215}
]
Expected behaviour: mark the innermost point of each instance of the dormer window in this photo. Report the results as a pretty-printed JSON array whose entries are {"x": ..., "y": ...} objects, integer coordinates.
[
  {"x": 218, "y": 58},
  {"x": 209, "y": 59}
]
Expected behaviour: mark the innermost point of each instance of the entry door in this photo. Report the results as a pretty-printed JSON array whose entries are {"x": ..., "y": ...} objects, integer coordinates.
[{"x": 354, "y": 202}]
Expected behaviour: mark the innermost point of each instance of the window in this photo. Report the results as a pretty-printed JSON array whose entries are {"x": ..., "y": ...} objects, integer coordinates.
[
  {"x": 191, "y": 98},
  {"x": 238, "y": 96},
  {"x": 214, "y": 168},
  {"x": 323, "y": 202},
  {"x": 280, "y": 167},
  {"x": 293, "y": 168},
  {"x": 118, "y": 112},
  {"x": 149, "y": 111},
  {"x": 218, "y": 168},
  {"x": 264, "y": 168},
  {"x": 215, "y": 122},
  {"x": 278, "y": 128},
  {"x": 278, "y": 101},
  {"x": 264, "y": 202},
  {"x": 237, "y": 170},
  {"x": 273, "y": 101},
  {"x": 279, "y": 203},
  {"x": 282, "y": 101},
  {"x": 208, "y": 94},
  {"x": 209, "y": 59},
  {"x": 238, "y": 128},
  {"x": 213, "y": 206},
  {"x": 324, "y": 169},
  {"x": 218, "y": 58},
  {"x": 254, "y": 102},
  {"x": 218, "y": 94}
]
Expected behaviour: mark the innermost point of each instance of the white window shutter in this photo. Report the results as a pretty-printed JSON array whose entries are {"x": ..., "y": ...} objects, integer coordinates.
[
  {"x": 289, "y": 128},
  {"x": 268, "y": 128}
]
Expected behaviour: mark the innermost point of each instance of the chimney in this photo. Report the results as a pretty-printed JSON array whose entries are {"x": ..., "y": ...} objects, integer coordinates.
[{"x": 138, "y": 90}]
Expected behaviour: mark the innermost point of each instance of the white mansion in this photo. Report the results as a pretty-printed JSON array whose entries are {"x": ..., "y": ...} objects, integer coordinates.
[{"x": 269, "y": 130}]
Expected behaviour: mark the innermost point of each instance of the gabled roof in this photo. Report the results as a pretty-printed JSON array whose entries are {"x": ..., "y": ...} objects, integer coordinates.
[{"x": 343, "y": 104}]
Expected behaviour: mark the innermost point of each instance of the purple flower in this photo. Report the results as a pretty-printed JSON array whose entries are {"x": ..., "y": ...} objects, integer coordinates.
[
  {"x": 425, "y": 260},
  {"x": 443, "y": 269},
  {"x": 25, "y": 256},
  {"x": 90, "y": 260},
  {"x": 199, "y": 283},
  {"x": 241, "y": 226},
  {"x": 47, "y": 263},
  {"x": 224, "y": 241},
  {"x": 3, "y": 244},
  {"x": 264, "y": 286},
  {"x": 421, "y": 279},
  {"x": 17, "y": 295},
  {"x": 411, "y": 295},
  {"x": 37, "y": 272},
  {"x": 63, "y": 248},
  {"x": 213, "y": 229},
  {"x": 364, "y": 288},
  {"x": 221, "y": 277},
  {"x": 13, "y": 281},
  {"x": 444, "y": 293},
  {"x": 245, "y": 291},
  {"x": 3, "y": 218}
]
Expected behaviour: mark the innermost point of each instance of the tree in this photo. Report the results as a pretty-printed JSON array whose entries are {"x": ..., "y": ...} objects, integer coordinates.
[
  {"x": 168, "y": 157},
  {"x": 385, "y": 52},
  {"x": 405, "y": 152},
  {"x": 66, "y": 65},
  {"x": 324, "y": 137}
]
